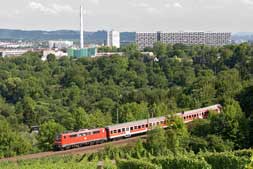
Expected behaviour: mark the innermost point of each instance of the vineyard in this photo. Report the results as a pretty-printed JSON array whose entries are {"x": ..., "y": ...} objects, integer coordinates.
[{"x": 130, "y": 159}]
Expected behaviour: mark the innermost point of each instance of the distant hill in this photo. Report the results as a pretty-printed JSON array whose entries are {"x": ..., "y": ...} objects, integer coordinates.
[
  {"x": 242, "y": 37},
  {"x": 90, "y": 37}
]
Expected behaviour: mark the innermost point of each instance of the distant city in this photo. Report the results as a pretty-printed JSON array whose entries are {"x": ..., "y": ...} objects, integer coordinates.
[
  {"x": 96, "y": 37},
  {"x": 79, "y": 44}
]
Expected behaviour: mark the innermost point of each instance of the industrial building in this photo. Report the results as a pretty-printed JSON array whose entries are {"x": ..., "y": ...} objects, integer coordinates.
[
  {"x": 82, "y": 51},
  {"x": 147, "y": 39},
  {"x": 113, "y": 39}
]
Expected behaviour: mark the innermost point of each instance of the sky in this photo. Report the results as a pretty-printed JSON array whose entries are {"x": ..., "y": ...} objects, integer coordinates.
[{"x": 129, "y": 15}]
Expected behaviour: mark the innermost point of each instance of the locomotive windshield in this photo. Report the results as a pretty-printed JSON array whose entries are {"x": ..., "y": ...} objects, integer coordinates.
[{"x": 58, "y": 137}]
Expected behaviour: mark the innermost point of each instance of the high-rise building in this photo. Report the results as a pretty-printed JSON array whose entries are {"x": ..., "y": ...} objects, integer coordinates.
[
  {"x": 147, "y": 39},
  {"x": 113, "y": 39}
]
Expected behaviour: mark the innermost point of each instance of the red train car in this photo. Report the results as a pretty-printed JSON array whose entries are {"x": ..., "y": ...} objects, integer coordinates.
[
  {"x": 80, "y": 138},
  {"x": 93, "y": 136}
]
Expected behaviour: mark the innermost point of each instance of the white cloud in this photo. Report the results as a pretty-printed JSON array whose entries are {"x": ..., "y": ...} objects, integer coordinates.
[
  {"x": 177, "y": 5},
  {"x": 40, "y": 7},
  {"x": 248, "y": 2},
  {"x": 53, "y": 9},
  {"x": 62, "y": 8}
]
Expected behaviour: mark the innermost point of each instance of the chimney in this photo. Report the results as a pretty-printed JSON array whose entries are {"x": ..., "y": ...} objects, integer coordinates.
[{"x": 81, "y": 26}]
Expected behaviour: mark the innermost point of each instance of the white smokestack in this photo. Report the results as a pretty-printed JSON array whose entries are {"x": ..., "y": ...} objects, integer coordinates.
[{"x": 81, "y": 27}]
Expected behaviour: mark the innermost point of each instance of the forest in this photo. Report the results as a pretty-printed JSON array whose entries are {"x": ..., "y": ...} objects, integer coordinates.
[{"x": 70, "y": 94}]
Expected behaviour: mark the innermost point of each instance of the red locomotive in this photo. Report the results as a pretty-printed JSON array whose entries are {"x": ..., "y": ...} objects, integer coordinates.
[{"x": 117, "y": 131}]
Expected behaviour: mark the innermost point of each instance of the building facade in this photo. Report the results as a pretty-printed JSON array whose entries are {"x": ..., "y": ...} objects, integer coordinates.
[
  {"x": 113, "y": 39},
  {"x": 147, "y": 39},
  {"x": 13, "y": 53},
  {"x": 58, "y": 54}
]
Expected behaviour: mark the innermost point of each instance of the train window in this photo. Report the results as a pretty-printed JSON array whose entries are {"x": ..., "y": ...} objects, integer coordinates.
[
  {"x": 96, "y": 132},
  {"x": 73, "y": 135},
  {"x": 146, "y": 125},
  {"x": 89, "y": 133},
  {"x": 157, "y": 123},
  {"x": 184, "y": 117},
  {"x": 83, "y": 134},
  {"x": 119, "y": 130},
  {"x": 142, "y": 126},
  {"x": 150, "y": 124},
  {"x": 135, "y": 127},
  {"x": 115, "y": 131},
  {"x": 139, "y": 127},
  {"x": 123, "y": 130},
  {"x": 64, "y": 137},
  {"x": 111, "y": 132},
  {"x": 131, "y": 128},
  {"x": 127, "y": 129}
]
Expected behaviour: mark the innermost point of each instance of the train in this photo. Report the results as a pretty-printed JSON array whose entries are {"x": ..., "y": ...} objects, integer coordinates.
[{"x": 84, "y": 137}]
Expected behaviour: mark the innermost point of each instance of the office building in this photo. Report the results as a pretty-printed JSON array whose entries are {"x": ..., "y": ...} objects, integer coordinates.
[
  {"x": 60, "y": 44},
  {"x": 113, "y": 39},
  {"x": 147, "y": 39}
]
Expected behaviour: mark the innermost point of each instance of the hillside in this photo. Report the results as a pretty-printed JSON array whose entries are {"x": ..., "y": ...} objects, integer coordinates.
[{"x": 90, "y": 37}]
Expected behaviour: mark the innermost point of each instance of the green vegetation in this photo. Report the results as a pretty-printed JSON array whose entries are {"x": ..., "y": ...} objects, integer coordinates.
[{"x": 68, "y": 94}]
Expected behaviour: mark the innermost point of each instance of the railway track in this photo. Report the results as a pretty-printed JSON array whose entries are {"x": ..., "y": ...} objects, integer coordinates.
[{"x": 76, "y": 151}]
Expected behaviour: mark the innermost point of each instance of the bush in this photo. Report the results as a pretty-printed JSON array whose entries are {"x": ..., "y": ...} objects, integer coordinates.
[
  {"x": 136, "y": 164},
  {"x": 181, "y": 163},
  {"x": 244, "y": 153},
  {"x": 226, "y": 161}
]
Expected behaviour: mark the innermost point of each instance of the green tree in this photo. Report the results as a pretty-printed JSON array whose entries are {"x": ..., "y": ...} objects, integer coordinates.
[
  {"x": 160, "y": 49},
  {"x": 47, "y": 134},
  {"x": 156, "y": 141},
  {"x": 231, "y": 124},
  {"x": 11, "y": 142}
]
